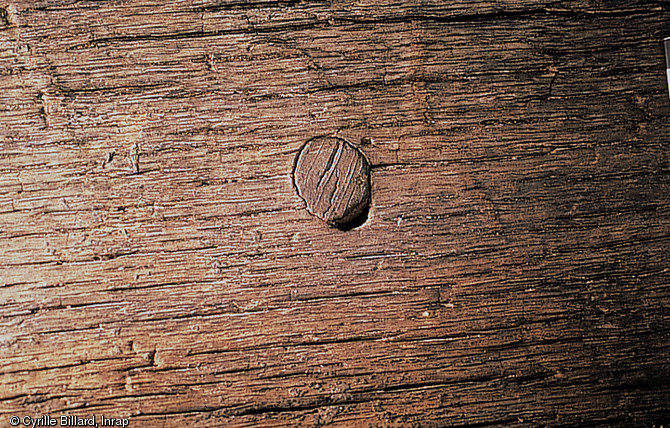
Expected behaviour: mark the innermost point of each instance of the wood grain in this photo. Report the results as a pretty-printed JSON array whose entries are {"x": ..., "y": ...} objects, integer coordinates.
[{"x": 156, "y": 262}]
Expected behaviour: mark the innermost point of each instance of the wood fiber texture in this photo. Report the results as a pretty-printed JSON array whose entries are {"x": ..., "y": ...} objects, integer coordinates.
[{"x": 156, "y": 262}]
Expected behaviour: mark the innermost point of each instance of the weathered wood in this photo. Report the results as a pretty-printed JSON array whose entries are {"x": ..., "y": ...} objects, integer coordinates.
[{"x": 156, "y": 262}]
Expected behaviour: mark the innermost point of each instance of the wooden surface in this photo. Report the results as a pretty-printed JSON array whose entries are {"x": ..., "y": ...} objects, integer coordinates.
[{"x": 156, "y": 262}]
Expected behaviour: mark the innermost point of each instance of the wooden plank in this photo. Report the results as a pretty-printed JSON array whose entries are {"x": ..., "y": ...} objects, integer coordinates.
[{"x": 157, "y": 264}]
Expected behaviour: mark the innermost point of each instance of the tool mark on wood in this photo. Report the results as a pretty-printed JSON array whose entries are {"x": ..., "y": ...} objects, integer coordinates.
[
  {"x": 109, "y": 158},
  {"x": 8, "y": 16},
  {"x": 135, "y": 158},
  {"x": 333, "y": 178}
]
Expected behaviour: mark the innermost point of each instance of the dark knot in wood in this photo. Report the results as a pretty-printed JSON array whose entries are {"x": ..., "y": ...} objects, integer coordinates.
[{"x": 333, "y": 177}]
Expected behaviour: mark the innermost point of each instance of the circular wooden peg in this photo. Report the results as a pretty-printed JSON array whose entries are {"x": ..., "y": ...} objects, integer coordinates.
[{"x": 333, "y": 177}]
